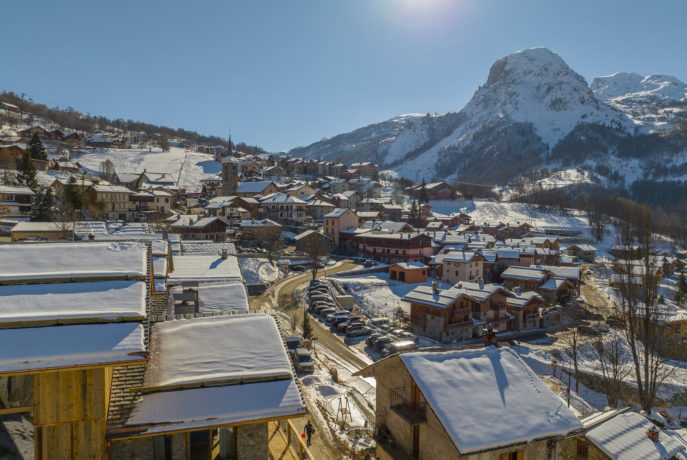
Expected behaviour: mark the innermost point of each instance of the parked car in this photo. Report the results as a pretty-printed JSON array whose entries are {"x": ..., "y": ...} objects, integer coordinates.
[
  {"x": 397, "y": 332},
  {"x": 367, "y": 263},
  {"x": 381, "y": 342},
  {"x": 398, "y": 347},
  {"x": 357, "y": 330},
  {"x": 330, "y": 317},
  {"x": 317, "y": 283},
  {"x": 293, "y": 343},
  {"x": 407, "y": 336},
  {"x": 340, "y": 318},
  {"x": 377, "y": 322},
  {"x": 325, "y": 311},
  {"x": 318, "y": 309},
  {"x": 352, "y": 320},
  {"x": 372, "y": 338},
  {"x": 297, "y": 268},
  {"x": 302, "y": 360}
]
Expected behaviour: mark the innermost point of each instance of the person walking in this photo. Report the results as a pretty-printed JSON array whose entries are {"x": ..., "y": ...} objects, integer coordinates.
[{"x": 309, "y": 431}]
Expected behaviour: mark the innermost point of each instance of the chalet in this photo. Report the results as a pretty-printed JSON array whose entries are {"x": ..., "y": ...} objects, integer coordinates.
[
  {"x": 369, "y": 216},
  {"x": 282, "y": 208},
  {"x": 196, "y": 228},
  {"x": 462, "y": 266},
  {"x": 425, "y": 410},
  {"x": 115, "y": 199},
  {"x": 16, "y": 200},
  {"x": 408, "y": 272},
  {"x": 366, "y": 168},
  {"x": 338, "y": 220},
  {"x": 392, "y": 212},
  {"x": 433, "y": 191},
  {"x": 300, "y": 191},
  {"x": 525, "y": 309},
  {"x": 395, "y": 247},
  {"x": 260, "y": 231},
  {"x": 311, "y": 238},
  {"x": 372, "y": 204},
  {"x": 557, "y": 289},
  {"x": 585, "y": 252},
  {"x": 252, "y": 189},
  {"x": 10, "y": 155},
  {"x": 526, "y": 278},
  {"x": 623, "y": 434},
  {"x": 457, "y": 313},
  {"x": 317, "y": 209}
]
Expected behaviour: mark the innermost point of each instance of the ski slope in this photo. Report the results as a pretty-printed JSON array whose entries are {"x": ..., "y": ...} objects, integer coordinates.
[{"x": 189, "y": 168}]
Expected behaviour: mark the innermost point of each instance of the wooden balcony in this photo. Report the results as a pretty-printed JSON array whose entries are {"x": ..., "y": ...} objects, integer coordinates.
[
  {"x": 414, "y": 414},
  {"x": 285, "y": 443}
]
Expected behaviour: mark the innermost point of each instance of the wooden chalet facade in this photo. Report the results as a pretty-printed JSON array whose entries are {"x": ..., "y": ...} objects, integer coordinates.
[{"x": 395, "y": 247}]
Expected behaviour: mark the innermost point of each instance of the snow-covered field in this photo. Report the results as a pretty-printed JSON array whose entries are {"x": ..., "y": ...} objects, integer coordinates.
[
  {"x": 259, "y": 271},
  {"x": 379, "y": 295},
  {"x": 188, "y": 168}
]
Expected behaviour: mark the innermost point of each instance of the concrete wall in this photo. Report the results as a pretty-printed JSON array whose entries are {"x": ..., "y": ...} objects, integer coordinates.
[{"x": 252, "y": 442}]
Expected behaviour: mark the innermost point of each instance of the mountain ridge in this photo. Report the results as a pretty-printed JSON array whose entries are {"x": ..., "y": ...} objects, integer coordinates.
[{"x": 524, "y": 114}]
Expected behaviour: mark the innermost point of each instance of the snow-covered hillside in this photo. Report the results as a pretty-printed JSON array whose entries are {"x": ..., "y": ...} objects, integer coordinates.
[
  {"x": 189, "y": 168},
  {"x": 651, "y": 102}
]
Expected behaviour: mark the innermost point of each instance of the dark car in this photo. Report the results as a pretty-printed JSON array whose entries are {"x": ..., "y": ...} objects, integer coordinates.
[
  {"x": 302, "y": 360},
  {"x": 357, "y": 330},
  {"x": 341, "y": 327},
  {"x": 340, "y": 318},
  {"x": 372, "y": 338},
  {"x": 382, "y": 342},
  {"x": 293, "y": 343},
  {"x": 369, "y": 263},
  {"x": 325, "y": 311}
]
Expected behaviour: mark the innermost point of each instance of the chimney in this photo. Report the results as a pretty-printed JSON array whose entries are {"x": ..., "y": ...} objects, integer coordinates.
[
  {"x": 435, "y": 287},
  {"x": 224, "y": 253},
  {"x": 489, "y": 335},
  {"x": 652, "y": 433}
]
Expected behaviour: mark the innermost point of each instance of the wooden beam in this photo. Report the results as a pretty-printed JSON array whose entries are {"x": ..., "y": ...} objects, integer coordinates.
[
  {"x": 142, "y": 359},
  {"x": 16, "y": 410}
]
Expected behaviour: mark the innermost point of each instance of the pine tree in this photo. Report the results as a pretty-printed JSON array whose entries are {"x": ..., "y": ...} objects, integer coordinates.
[
  {"x": 681, "y": 293},
  {"x": 307, "y": 328},
  {"x": 412, "y": 217},
  {"x": 26, "y": 171},
  {"x": 36, "y": 148},
  {"x": 424, "y": 196},
  {"x": 43, "y": 208},
  {"x": 73, "y": 194}
]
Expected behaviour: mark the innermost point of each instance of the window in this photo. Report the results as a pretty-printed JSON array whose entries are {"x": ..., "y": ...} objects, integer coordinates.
[
  {"x": 582, "y": 449},
  {"x": 517, "y": 455}
]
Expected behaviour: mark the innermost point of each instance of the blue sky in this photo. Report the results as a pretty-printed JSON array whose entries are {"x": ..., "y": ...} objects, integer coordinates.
[{"x": 287, "y": 73}]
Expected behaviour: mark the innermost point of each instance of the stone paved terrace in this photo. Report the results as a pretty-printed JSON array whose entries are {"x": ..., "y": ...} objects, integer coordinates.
[{"x": 279, "y": 435}]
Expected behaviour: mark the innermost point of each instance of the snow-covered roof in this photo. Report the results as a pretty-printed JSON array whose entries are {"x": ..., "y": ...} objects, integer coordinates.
[
  {"x": 571, "y": 273},
  {"x": 222, "y": 297},
  {"x": 216, "y": 406},
  {"x": 514, "y": 403},
  {"x": 72, "y": 261},
  {"x": 16, "y": 190},
  {"x": 218, "y": 348},
  {"x": 410, "y": 265},
  {"x": 553, "y": 284},
  {"x": 97, "y": 300},
  {"x": 42, "y": 227},
  {"x": 259, "y": 223},
  {"x": 523, "y": 273},
  {"x": 253, "y": 187},
  {"x": 33, "y": 348},
  {"x": 208, "y": 248},
  {"x": 624, "y": 437},
  {"x": 336, "y": 213},
  {"x": 204, "y": 268},
  {"x": 520, "y": 299},
  {"x": 111, "y": 189},
  {"x": 460, "y": 256}
]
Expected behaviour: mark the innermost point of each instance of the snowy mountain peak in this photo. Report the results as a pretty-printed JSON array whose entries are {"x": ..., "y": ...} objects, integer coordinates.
[
  {"x": 536, "y": 86},
  {"x": 531, "y": 62},
  {"x": 631, "y": 86}
]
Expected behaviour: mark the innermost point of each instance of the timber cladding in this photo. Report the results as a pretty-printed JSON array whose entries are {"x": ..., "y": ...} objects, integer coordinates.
[{"x": 70, "y": 411}]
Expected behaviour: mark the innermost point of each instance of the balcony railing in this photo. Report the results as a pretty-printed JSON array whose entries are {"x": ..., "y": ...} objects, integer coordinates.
[{"x": 414, "y": 414}]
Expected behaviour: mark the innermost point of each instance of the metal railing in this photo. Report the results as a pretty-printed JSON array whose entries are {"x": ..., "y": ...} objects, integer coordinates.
[{"x": 413, "y": 413}]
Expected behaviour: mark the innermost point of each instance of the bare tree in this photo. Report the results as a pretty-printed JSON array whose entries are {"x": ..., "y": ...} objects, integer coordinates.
[
  {"x": 272, "y": 244},
  {"x": 317, "y": 246},
  {"x": 613, "y": 366},
  {"x": 107, "y": 171},
  {"x": 572, "y": 338},
  {"x": 637, "y": 287}
]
